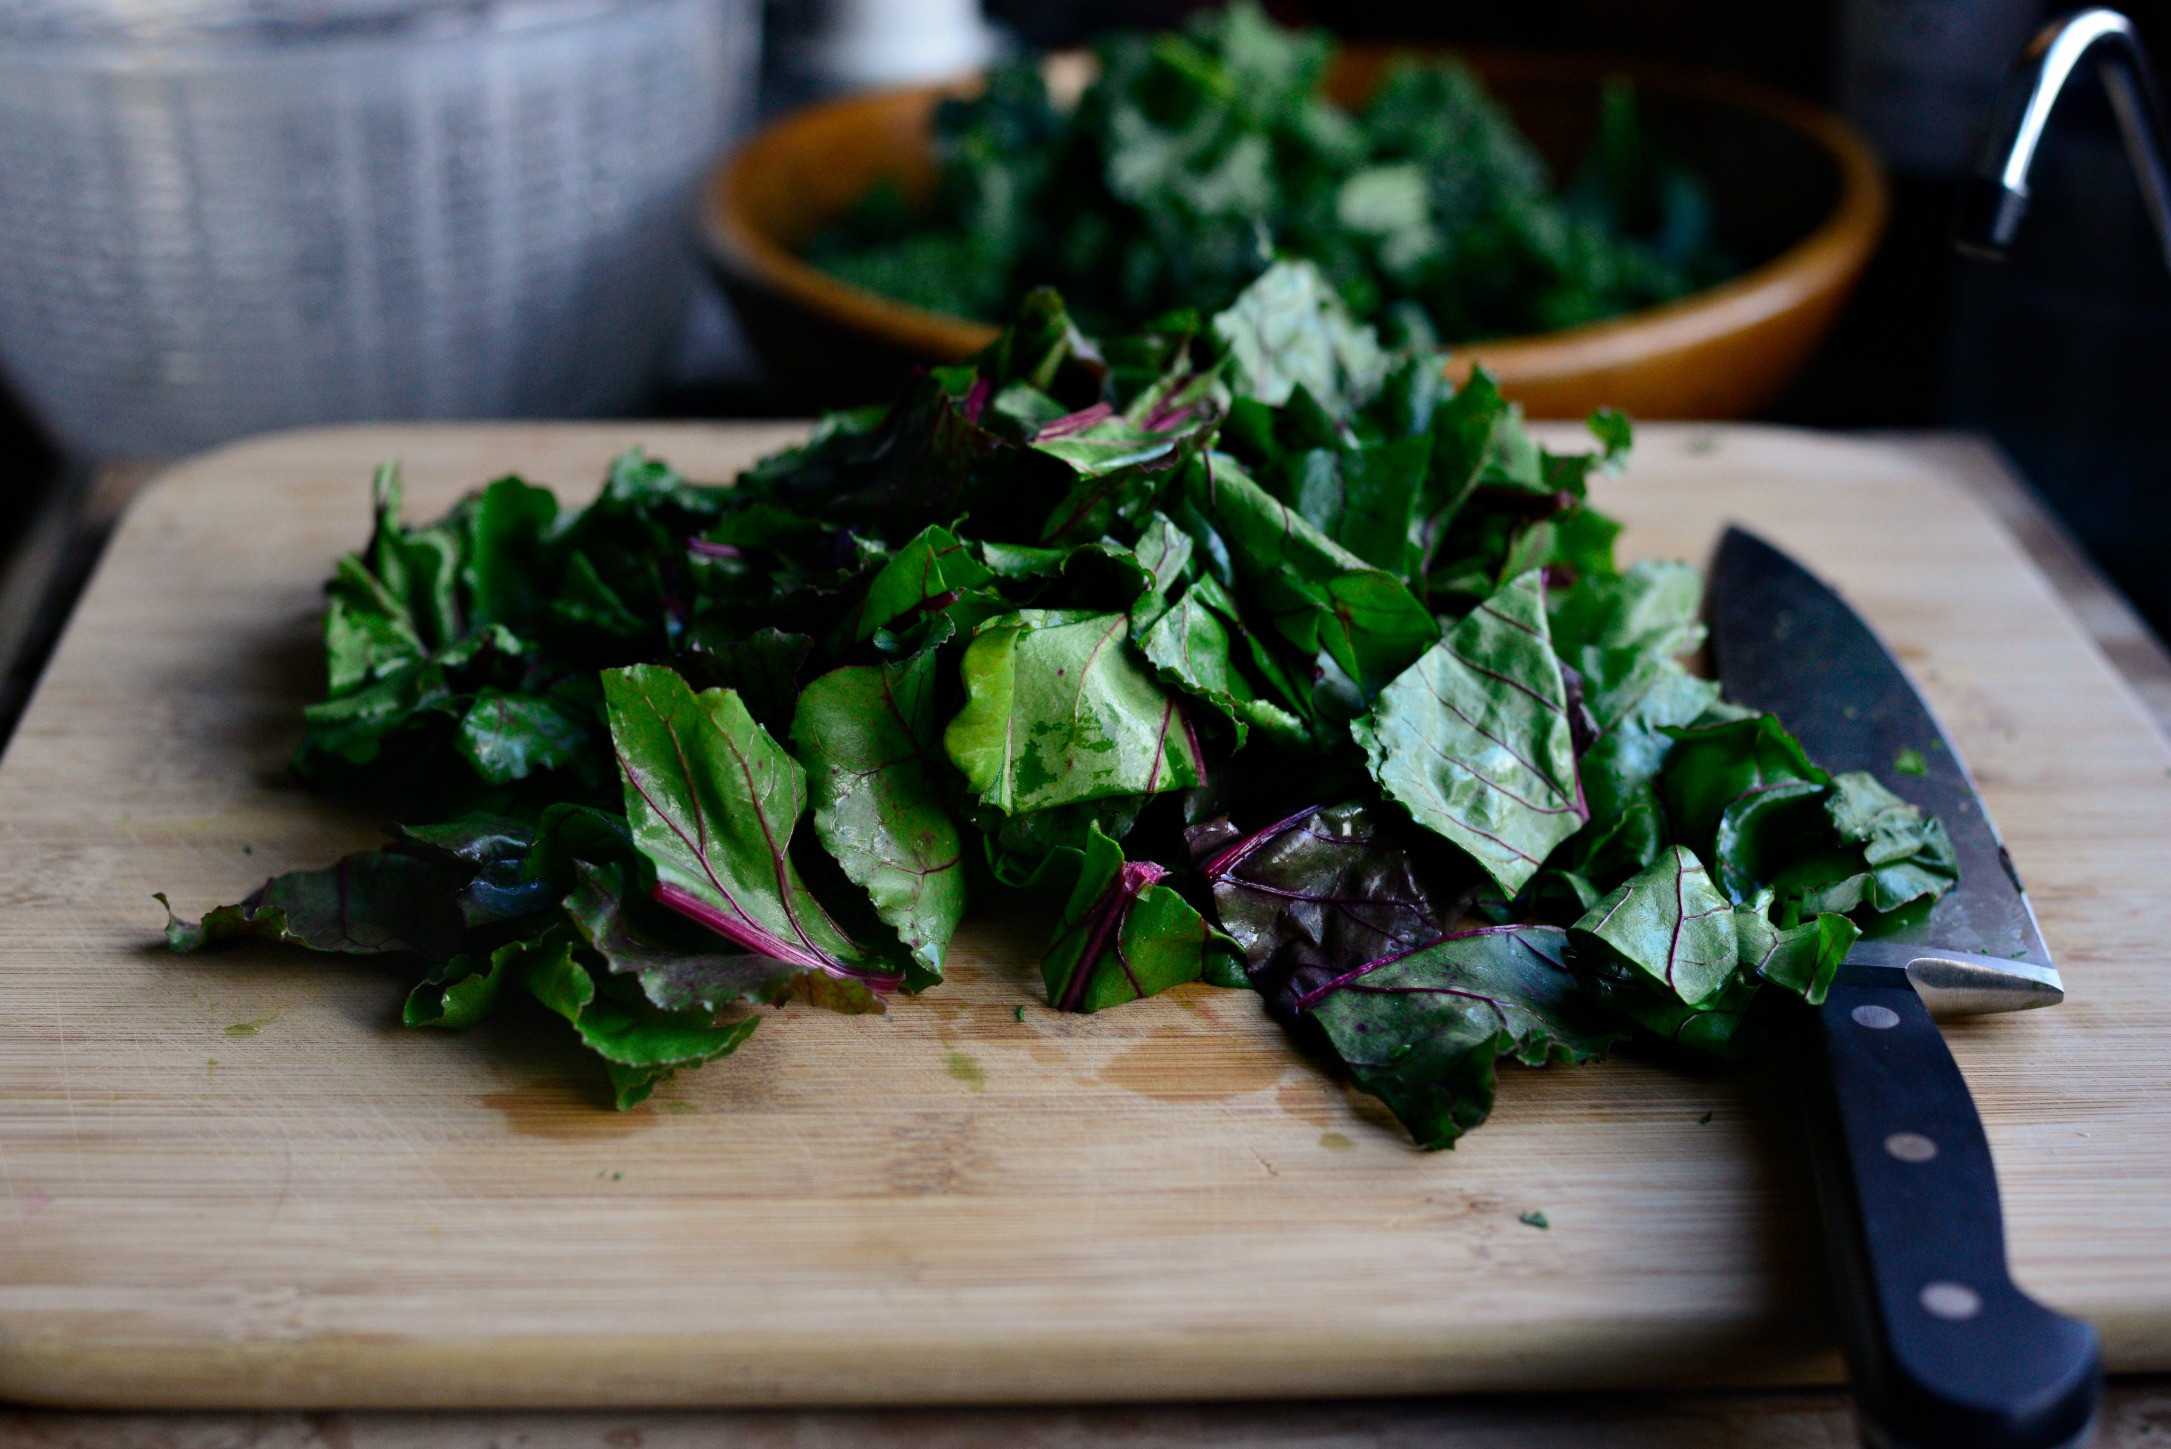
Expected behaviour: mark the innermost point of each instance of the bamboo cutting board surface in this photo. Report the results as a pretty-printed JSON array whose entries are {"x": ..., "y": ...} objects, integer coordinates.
[{"x": 235, "y": 1181}]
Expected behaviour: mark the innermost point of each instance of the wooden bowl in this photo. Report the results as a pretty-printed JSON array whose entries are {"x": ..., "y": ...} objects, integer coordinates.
[{"x": 1799, "y": 200}]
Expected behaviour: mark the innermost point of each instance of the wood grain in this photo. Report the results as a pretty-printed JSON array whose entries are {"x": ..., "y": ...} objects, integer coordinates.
[
  {"x": 2136, "y": 1415},
  {"x": 235, "y": 1182}
]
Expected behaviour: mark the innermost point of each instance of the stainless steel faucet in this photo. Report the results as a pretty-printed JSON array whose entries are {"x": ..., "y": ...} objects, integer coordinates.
[{"x": 1997, "y": 197}]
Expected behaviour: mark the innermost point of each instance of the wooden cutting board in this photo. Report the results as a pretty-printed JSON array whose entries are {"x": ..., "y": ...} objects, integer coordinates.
[{"x": 235, "y": 1181}]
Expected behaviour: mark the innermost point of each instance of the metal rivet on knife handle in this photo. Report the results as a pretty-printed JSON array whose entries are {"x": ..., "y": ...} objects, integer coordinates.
[
  {"x": 1953, "y": 1302},
  {"x": 1911, "y": 1147},
  {"x": 1876, "y": 1018}
]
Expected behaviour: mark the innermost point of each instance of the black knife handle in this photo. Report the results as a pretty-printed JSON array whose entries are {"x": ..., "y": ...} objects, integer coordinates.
[{"x": 1945, "y": 1352}]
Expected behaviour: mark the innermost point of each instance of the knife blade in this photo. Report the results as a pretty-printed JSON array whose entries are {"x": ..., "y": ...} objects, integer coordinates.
[
  {"x": 1942, "y": 1348},
  {"x": 1857, "y": 710}
]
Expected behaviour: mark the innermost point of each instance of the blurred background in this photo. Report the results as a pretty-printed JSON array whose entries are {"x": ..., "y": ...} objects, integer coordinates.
[{"x": 221, "y": 216}]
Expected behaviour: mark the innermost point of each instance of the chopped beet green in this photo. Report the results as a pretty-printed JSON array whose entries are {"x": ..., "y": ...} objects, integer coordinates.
[{"x": 1256, "y": 653}]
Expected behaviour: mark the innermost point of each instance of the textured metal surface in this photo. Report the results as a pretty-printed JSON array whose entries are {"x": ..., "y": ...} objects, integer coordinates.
[
  {"x": 213, "y": 228},
  {"x": 239, "y": 21},
  {"x": 1784, "y": 642}
]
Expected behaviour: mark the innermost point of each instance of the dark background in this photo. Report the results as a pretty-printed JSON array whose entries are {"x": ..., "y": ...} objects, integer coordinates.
[{"x": 2062, "y": 354}]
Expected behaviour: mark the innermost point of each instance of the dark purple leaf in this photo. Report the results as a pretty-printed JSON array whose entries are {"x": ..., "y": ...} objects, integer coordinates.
[
  {"x": 1421, "y": 1029},
  {"x": 1318, "y": 893}
]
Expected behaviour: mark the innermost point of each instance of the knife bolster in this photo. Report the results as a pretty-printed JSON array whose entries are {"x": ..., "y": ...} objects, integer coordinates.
[{"x": 1961, "y": 983}]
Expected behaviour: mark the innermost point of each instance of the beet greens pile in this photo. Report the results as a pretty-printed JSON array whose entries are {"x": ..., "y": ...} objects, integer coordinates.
[{"x": 1258, "y": 654}]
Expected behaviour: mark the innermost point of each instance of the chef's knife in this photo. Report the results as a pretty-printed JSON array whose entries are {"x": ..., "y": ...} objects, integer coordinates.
[{"x": 1943, "y": 1349}]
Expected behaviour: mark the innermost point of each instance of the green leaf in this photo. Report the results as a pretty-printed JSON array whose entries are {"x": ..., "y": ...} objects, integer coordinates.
[
  {"x": 932, "y": 566},
  {"x": 399, "y": 649},
  {"x": 506, "y": 562},
  {"x": 1887, "y": 827},
  {"x": 1638, "y": 700},
  {"x": 569, "y": 834},
  {"x": 1382, "y": 485},
  {"x": 926, "y": 459},
  {"x": 1474, "y": 739},
  {"x": 1651, "y": 607},
  {"x": 1164, "y": 551},
  {"x": 495, "y": 856},
  {"x": 1124, "y": 934},
  {"x": 1907, "y": 855},
  {"x": 871, "y": 741},
  {"x": 1028, "y": 851},
  {"x": 1712, "y": 766},
  {"x": 368, "y": 634},
  {"x": 1614, "y": 433},
  {"x": 461, "y": 992},
  {"x": 1765, "y": 833},
  {"x": 1021, "y": 560},
  {"x": 1478, "y": 440},
  {"x": 1058, "y": 711},
  {"x": 763, "y": 667},
  {"x": 1098, "y": 441},
  {"x": 1421, "y": 1030},
  {"x": 640, "y": 1045},
  {"x": 1190, "y": 647},
  {"x": 370, "y": 903},
  {"x": 1668, "y": 928},
  {"x": 585, "y": 600},
  {"x": 418, "y": 568},
  {"x": 676, "y": 962},
  {"x": 1042, "y": 348},
  {"x": 1745, "y": 790},
  {"x": 1121, "y": 465},
  {"x": 1803, "y": 960},
  {"x": 1728, "y": 1025},
  {"x": 507, "y": 737},
  {"x": 1621, "y": 633},
  {"x": 1287, "y": 330},
  {"x": 1317, "y": 594},
  {"x": 355, "y": 727},
  {"x": 713, "y": 801}
]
